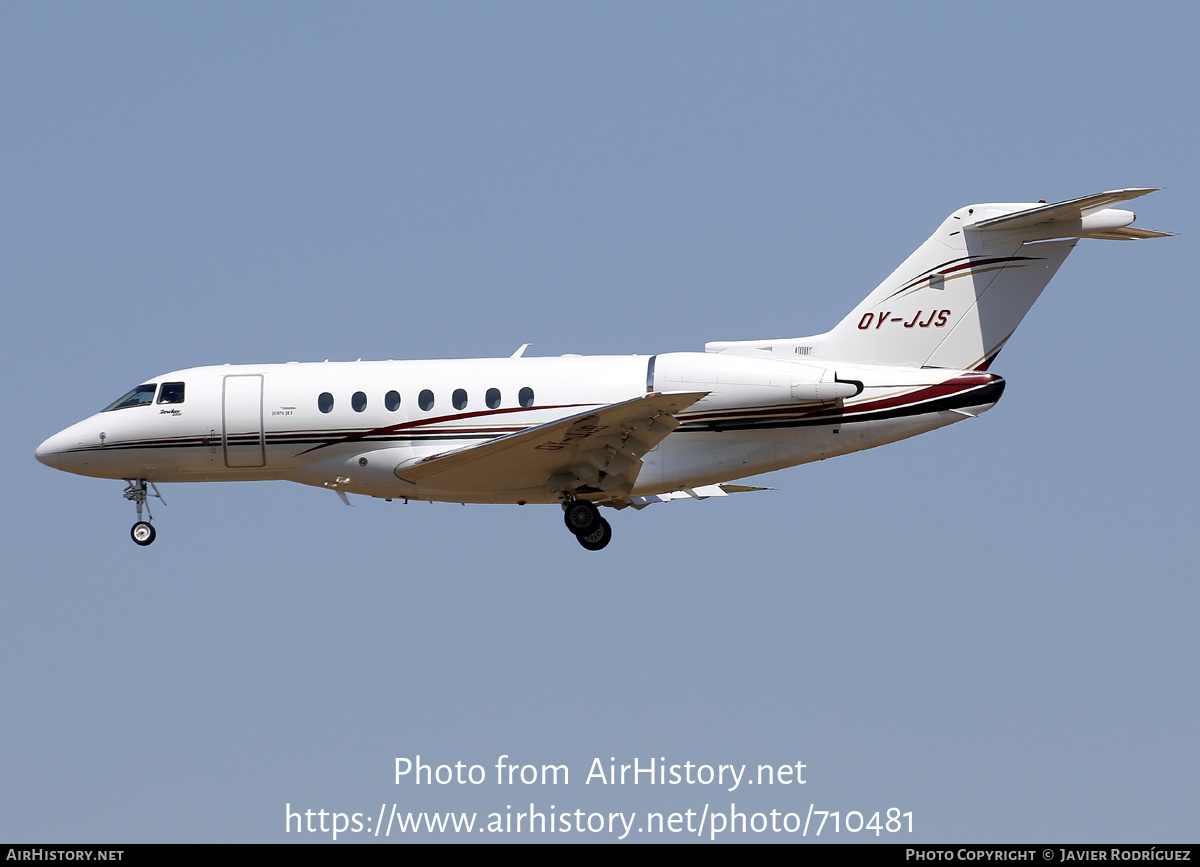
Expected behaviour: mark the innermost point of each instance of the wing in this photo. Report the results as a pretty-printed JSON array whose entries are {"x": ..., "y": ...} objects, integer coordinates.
[{"x": 597, "y": 450}]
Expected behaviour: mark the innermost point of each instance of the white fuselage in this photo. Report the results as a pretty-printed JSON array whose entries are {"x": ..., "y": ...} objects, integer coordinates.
[{"x": 348, "y": 426}]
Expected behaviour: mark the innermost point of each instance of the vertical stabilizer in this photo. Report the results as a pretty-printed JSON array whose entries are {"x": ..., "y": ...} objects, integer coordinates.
[{"x": 956, "y": 300}]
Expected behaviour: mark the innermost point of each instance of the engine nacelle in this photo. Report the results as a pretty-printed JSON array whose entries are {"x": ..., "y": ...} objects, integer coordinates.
[{"x": 738, "y": 380}]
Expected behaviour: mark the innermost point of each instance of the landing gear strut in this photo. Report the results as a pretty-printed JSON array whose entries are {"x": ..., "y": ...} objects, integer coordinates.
[
  {"x": 143, "y": 531},
  {"x": 584, "y": 521}
]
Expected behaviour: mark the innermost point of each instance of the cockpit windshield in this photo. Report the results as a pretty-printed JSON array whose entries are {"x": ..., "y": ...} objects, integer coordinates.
[{"x": 140, "y": 396}]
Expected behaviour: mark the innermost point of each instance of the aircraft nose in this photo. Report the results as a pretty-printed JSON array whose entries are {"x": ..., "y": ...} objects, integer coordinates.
[
  {"x": 61, "y": 451},
  {"x": 50, "y": 450}
]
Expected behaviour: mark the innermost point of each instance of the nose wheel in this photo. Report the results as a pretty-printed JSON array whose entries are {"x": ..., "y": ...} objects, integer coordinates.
[
  {"x": 136, "y": 490},
  {"x": 583, "y": 519}
]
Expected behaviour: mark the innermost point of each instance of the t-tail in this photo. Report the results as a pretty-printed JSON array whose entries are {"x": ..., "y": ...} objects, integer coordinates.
[{"x": 955, "y": 301}]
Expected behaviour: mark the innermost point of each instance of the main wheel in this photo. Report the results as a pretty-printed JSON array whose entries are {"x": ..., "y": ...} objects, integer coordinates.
[
  {"x": 581, "y": 517},
  {"x": 598, "y": 538},
  {"x": 143, "y": 533}
]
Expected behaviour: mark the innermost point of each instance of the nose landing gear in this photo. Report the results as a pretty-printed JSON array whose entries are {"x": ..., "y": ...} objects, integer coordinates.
[
  {"x": 584, "y": 521},
  {"x": 143, "y": 531}
]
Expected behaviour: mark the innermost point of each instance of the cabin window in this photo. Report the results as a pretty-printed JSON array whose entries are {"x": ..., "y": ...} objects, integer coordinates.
[
  {"x": 140, "y": 396},
  {"x": 171, "y": 392},
  {"x": 492, "y": 398},
  {"x": 325, "y": 402},
  {"x": 425, "y": 400},
  {"x": 392, "y": 401},
  {"x": 525, "y": 397},
  {"x": 459, "y": 398},
  {"x": 358, "y": 401}
]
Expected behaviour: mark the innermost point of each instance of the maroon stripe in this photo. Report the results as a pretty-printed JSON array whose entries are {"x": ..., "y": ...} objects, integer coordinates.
[
  {"x": 410, "y": 425},
  {"x": 947, "y": 268},
  {"x": 958, "y": 384}
]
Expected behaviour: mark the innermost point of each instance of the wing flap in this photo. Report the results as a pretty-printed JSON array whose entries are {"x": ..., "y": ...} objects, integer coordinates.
[
  {"x": 602, "y": 448},
  {"x": 700, "y": 493}
]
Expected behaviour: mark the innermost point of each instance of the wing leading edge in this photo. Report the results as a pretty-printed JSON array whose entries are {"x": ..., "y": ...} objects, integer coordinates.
[{"x": 599, "y": 450}]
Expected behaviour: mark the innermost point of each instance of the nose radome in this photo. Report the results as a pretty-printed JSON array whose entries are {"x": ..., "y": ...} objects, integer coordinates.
[
  {"x": 57, "y": 451},
  {"x": 48, "y": 451}
]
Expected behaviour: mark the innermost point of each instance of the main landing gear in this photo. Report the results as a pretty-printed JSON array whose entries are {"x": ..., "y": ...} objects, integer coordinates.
[
  {"x": 584, "y": 520},
  {"x": 143, "y": 531}
]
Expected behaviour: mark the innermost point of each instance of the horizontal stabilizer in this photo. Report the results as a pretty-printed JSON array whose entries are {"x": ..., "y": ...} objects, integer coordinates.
[
  {"x": 1129, "y": 233},
  {"x": 1086, "y": 217},
  {"x": 1072, "y": 209}
]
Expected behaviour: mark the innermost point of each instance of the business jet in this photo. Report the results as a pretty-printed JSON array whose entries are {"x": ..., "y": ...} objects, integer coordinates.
[{"x": 615, "y": 431}]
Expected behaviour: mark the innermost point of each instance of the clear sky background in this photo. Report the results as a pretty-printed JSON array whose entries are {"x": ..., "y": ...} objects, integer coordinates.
[{"x": 992, "y": 625}]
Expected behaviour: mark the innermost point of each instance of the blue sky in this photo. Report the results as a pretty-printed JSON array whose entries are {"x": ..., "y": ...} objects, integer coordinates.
[{"x": 992, "y": 626}]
